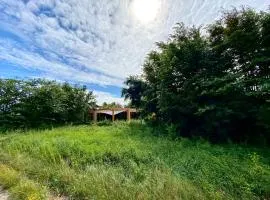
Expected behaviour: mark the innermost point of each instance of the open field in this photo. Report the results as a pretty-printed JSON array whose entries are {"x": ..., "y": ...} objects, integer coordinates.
[{"x": 125, "y": 161}]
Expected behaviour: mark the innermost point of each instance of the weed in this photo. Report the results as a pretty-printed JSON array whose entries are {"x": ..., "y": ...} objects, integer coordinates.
[{"x": 125, "y": 161}]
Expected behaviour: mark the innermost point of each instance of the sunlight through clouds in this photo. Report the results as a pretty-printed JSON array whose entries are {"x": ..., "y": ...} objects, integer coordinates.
[{"x": 146, "y": 11}]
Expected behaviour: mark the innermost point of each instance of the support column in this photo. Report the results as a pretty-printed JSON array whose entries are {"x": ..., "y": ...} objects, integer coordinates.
[
  {"x": 113, "y": 117},
  {"x": 128, "y": 115},
  {"x": 95, "y": 116}
]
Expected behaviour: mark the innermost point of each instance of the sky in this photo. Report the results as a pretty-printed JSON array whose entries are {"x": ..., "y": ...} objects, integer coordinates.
[{"x": 97, "y": 43}]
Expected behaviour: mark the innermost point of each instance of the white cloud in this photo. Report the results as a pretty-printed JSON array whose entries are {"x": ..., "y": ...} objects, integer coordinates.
[
  {"x": 102, "y": 97},
  {"x": 51, "y": 68},
  {"x": 100, "y": 41}
]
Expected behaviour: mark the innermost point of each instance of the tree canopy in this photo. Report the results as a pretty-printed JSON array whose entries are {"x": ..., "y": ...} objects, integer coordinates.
[
  {"x": 214, "y": 85},
  {"x": 112, "y": 105},
  {"x": 33, "y": 103}
]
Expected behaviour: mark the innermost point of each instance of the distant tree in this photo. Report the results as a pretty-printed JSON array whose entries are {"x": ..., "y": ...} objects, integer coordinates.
[
  {"x": 33, "y": 103},
  {"x": 78, "y": 101},
  {"x": 111, "y": 105},
  {"x": 134, "y": 91}
]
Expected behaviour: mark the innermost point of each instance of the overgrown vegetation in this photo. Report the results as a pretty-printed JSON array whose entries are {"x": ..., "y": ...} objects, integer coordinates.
[
  {"x": 213, "y": 85},
  {"x": 112, "y": 105},
  {"x": 125, "y": 161},
  {"x": 37, "y": 103}
]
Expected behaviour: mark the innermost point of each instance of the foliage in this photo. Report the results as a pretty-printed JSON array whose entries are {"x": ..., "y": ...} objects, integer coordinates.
[
  {"x": 34, "y": 103},
  {"x": 125, "y": 161},
  {"x": 111, "y": 105},
  {"x": 104, "y": 123},
  {"x": 134, "y": 89},
  {"x": 213, "y": 85},
  {"x": 20, "y": 187}
]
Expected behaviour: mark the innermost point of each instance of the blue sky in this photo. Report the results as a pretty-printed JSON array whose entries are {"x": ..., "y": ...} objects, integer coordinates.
[{"x": 94, "y": 42}]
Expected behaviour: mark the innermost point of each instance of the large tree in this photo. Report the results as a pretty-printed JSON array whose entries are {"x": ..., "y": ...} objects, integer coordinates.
[{"x": 214, "y": 84}]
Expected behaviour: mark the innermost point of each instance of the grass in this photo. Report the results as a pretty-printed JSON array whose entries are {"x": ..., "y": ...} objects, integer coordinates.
[
  {"x": 20, "y": 187},
  {"x": 125, "y": 161}
]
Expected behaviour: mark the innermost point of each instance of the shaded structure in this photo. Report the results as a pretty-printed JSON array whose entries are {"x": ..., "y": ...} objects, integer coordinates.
[{"x": 113, "y": 112}]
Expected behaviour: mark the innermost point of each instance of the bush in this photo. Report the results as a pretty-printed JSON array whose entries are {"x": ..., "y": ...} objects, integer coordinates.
[{"x": 36, "y": 103}]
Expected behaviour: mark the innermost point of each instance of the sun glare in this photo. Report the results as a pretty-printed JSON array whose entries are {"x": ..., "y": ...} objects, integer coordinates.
[{"x": 145, "y": 10}]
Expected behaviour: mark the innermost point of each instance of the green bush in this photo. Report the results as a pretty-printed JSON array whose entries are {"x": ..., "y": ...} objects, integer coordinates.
[
  {"x": 37, "y": 103},
  {"x": 105, "y": 122}
]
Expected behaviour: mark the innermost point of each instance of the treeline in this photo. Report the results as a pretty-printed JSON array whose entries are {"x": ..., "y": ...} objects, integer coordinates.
[
  {"x": 214, "y": 84},
  {"x": 112, "y": 105},
  {"x": 37, "y": 103}
]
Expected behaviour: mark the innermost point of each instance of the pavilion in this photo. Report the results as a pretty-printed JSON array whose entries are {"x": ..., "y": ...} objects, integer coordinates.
[{"x": 113, "y": 112}]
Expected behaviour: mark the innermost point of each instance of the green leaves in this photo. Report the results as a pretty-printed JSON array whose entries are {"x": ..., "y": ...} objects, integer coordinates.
[
  {"x": 134, "y": 91},
  {"x": 36, "y": 102},
  {"x": 213, "y": 85}
]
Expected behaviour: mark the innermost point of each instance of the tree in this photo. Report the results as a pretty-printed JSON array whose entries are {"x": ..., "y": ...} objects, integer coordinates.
[
  {"x": 111, "y": 105},
  {"x": 134, "y": 91},
  {"x": 32, "y": 103},
  {"x": 214, "y": 85}
]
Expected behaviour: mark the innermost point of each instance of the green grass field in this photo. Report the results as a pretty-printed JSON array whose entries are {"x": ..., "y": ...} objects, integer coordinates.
[{"x": 125, "y": 161}]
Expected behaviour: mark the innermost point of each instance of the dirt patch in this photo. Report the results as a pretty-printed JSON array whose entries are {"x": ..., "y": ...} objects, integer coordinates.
[{"x": 3, "y": 194}]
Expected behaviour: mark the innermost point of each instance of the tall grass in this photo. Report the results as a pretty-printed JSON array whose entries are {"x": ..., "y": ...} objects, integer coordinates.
[{"x": 125, "y": 161}]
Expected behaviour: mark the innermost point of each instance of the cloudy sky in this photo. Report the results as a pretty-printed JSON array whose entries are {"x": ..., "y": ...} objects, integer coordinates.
[{"x": 94, "y": 42}]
